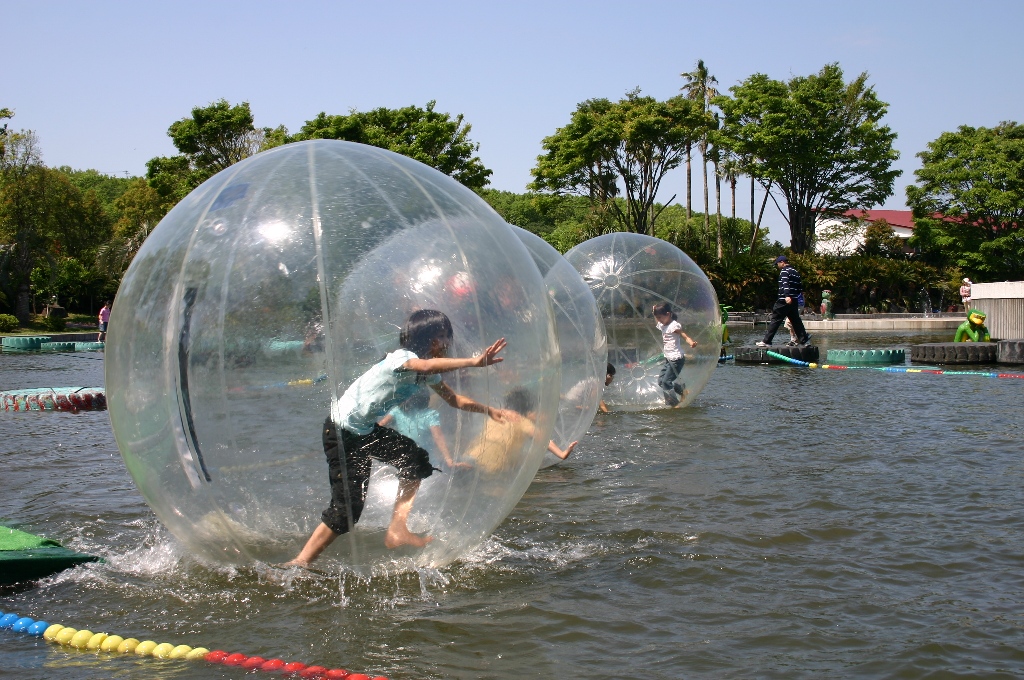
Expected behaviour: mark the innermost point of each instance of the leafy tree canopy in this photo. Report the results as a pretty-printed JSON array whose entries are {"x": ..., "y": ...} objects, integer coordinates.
[
  {"x": 213, "y": 138},
  {"x": 43, "y": 216},
  {"x": 817, "y": 138},
  {"x": 434, "y": 138},
  {"x": 634, "y": 141},
  {"x": 968, "y": 202}
]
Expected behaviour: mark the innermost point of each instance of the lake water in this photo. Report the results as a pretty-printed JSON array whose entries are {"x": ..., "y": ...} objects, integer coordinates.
[{"x": 790, "y": 523}]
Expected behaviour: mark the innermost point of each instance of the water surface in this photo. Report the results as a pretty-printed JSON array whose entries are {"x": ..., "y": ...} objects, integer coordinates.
[{"x": 790, "y": 523}]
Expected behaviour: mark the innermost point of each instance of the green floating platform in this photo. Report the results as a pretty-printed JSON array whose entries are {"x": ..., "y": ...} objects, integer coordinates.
[
  {"x": 58, "y": 346},
  {"x": 25, "y": 557},
  {"x": 850, "y": 357},
  {"x": 88, "y": 346},
  {"x": 24, "y": 341}
]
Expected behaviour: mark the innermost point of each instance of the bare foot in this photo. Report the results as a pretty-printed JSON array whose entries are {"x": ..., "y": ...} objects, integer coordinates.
[
  {"x": 399, "y": 537},
  {"x": 296, "y": 563}
]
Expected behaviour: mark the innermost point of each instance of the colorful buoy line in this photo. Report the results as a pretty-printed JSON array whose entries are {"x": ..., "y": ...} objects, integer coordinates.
[
  {"x": 86, "y": 640},
  {"x": 893, "y": 369},
  {"x": 71, "y": 399}
]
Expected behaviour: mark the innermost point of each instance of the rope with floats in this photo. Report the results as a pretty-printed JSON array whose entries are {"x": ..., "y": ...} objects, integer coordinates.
[
  {"x": 87, "y": 641},
  {"x": 891, "y": 369}
]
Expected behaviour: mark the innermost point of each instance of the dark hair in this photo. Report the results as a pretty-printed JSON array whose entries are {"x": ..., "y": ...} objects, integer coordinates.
[
  {"x": 520, "y": 400},
  {"x": 422, "y": 327},
  {"x": 419, "y": 400},
  {"x": 611, "y": 369},
  {"x": 665, "y": 308}
]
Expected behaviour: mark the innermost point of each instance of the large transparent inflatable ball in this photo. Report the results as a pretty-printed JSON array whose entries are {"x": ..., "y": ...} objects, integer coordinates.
[
  {"x": 581, "y": 339},
  {"x": 255, "y": 305},
  {"x": 629, "y": 274}
]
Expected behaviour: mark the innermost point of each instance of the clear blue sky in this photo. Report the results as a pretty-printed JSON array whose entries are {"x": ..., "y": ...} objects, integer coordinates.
[{"x": 100, "y": 82}]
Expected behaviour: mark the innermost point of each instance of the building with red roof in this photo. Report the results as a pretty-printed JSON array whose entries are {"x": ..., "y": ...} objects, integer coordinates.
[{"x": 842, "y": 235}]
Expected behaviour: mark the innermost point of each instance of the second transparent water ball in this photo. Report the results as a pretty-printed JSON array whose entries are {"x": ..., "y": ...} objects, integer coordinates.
[{"x": 628, "y": 275}]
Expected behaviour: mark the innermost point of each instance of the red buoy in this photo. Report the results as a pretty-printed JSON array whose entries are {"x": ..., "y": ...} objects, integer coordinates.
[
  {"x": 234, "y": 659},
  {"x": 253, "y": 662},
  {"x": 216, "y": 656},
  {"x": 272, "y": 665}
]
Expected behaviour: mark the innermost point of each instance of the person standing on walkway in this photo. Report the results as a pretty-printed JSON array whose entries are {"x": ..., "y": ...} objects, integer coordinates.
[
  {"x": 965, "y": 295},
  {"x": 104, "y": 318},
  {"x": 790, "y": 289}
]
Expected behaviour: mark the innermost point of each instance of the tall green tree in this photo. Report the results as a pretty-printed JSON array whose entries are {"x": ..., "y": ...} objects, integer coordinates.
[
  {"x": 213, "y": 138},
  {"x": 968, "y": 202},
  {"x": 5, "y": 114},
  {"x": 140, "y": 209},
  {"x": 634, "y": 141},
  {"x": 431, "y": 137},
  {"x": 818, "y": 139},
  {"x": 43, "y": 217},
  {"x": 700, "y": 88}
]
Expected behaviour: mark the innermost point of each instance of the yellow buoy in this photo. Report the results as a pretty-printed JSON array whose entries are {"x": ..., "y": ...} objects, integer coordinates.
[
  {"x": 162, "y": 650},
  {"x": 128, "y": 646},
  {"x": 179, "y": 652},
  {"x": 80, "y": 639},
  {"x": 50, "y": 633},
  {"x": 94, "y": 643},
  {"x": 65, "y": 635},
  {"x": 197, "y": 653},
  {"x": 145, "y": 648},
  {"x": 111, "y": 643}
]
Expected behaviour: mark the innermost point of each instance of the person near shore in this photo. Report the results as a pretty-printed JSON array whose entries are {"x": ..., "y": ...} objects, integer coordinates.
[
  {"x": 104, "y": 319},
  {"x": 671, "y": 337},
  {"x": 790, "y": 289},
  {"x": 422, "y": 357},
  {"x": 965, "y": 294}
]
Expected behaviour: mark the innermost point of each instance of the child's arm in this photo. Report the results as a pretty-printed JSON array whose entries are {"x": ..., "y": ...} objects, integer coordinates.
[
  {"x": 464, "y": 403},
  {"x": 553, "y": 448},
  {"x": 446, "y": 364},
  {"x": 689, "y": 341},
  {"x": 602, "y": 407},
  {"x": 442, "y": 446}
]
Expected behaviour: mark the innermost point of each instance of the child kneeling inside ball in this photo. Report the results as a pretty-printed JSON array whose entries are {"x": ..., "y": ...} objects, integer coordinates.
[
  {"x": 424, "y": 341},
  {"x": 498, "y": 446}
]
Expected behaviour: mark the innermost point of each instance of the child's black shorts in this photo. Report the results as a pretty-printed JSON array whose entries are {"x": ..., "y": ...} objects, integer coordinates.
[{"x": 382, "y": 443}]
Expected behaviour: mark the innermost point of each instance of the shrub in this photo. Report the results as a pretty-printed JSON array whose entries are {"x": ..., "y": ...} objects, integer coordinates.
[
  {"x": 8, "y": 323},
  {"x": 54, "y": 324}
]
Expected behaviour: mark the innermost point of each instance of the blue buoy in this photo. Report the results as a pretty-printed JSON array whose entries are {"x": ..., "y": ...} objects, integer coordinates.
[
  {"x": 7, "y": 620},
  {"x": 37, "y": 628},
  {"x": 21, "y": 624}
]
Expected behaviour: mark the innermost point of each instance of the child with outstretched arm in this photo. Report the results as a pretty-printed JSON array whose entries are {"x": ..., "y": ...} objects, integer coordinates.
[{"x": 423, "y": 356}]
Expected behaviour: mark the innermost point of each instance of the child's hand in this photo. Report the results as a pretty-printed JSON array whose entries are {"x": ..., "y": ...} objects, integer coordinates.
[
  {"x": 490, "y": 355},
  {"x": 503, "y": 415},
  {"x": 564, "y": 454},
  {"x": 691, "y": 342}
]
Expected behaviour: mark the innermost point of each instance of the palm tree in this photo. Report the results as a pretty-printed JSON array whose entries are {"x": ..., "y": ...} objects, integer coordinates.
[{"x": 700, "y": 87}]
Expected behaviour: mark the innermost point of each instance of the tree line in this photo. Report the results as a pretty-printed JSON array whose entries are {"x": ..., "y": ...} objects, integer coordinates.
[{"x": 815, "y": 145}]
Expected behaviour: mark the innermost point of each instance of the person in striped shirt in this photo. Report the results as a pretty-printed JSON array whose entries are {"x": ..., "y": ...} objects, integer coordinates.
[{"x": 790, "y": 288}]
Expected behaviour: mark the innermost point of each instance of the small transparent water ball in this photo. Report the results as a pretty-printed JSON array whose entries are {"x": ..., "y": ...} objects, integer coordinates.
[
  {"x": 263, "y": 295},
  {"x": 628, "y": 274},
  {"x": 581, "y": 339}
]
